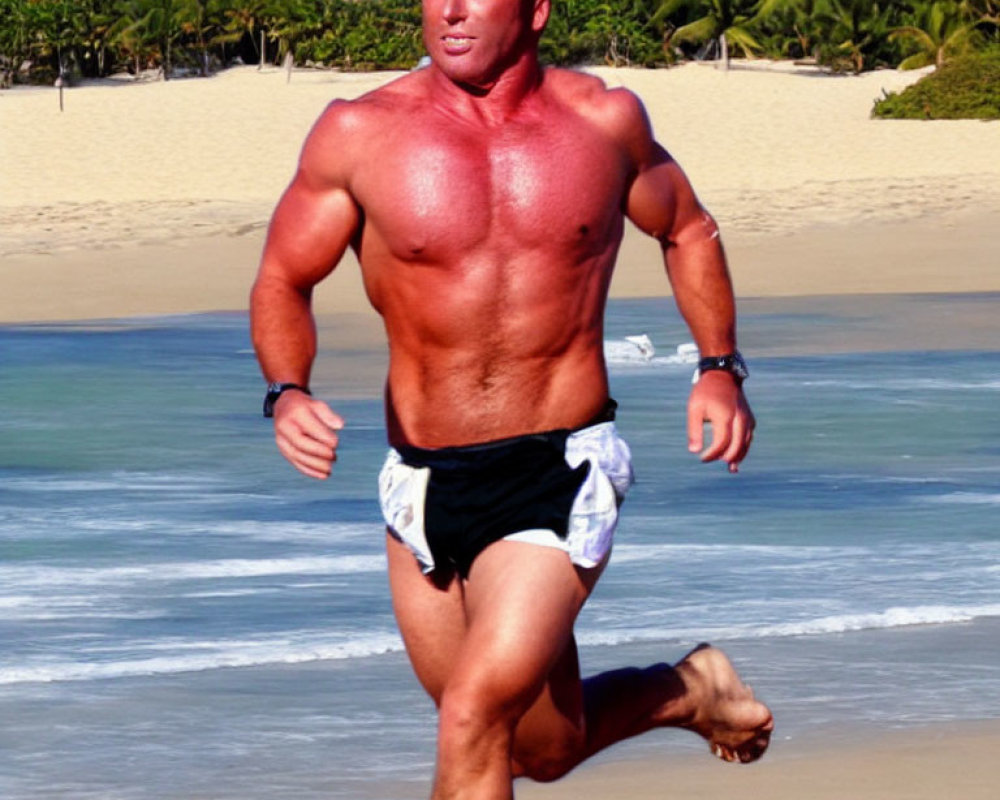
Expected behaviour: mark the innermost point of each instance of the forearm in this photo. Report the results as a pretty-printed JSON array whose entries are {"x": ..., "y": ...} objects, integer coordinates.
[
  {"x": 283, "y": 330},
  {"x": 703, "y": 291}
]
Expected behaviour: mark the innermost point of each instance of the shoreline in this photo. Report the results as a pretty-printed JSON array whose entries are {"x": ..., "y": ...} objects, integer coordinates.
[{"x": 214, "y": 273}]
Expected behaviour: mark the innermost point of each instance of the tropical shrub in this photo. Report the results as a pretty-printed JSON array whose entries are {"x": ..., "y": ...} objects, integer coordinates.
[
  {"x": 967, "y": 87},
  {"x": 612, "y": 32}
]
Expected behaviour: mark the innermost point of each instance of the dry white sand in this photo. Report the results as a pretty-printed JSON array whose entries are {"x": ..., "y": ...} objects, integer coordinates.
[{"x": 154, "y": 197}]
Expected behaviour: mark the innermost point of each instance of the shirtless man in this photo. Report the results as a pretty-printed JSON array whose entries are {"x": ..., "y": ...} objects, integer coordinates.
[{"x": 484, "y": 197}]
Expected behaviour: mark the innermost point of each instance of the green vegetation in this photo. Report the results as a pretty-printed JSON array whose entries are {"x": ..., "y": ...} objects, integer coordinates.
[
  {"x": 966, "y": 87},
  {"x": 93, "y": 38},
  {"x": 723, "y": 22}
]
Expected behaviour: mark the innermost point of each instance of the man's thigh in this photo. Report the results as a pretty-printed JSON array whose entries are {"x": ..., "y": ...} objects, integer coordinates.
[
  {"x": 430, "y": 613},
  {"x": 521, "y": 601},
  {"x": 515, "y": 612}
]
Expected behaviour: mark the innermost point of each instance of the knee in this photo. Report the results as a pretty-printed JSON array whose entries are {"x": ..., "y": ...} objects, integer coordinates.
[{"x": 471, "y": 715}]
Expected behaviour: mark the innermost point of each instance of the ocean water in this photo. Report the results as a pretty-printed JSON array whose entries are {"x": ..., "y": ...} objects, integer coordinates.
[{"x": 184, "y": 616}]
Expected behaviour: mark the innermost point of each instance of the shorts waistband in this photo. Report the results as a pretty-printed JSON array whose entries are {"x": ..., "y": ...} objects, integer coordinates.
[{"x": 423, "y": 456}]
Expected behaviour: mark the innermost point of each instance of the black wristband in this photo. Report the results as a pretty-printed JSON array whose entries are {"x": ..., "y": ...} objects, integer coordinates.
[
  {"x": 732, "y": 363},
  {"x": 274, "y": 391}
]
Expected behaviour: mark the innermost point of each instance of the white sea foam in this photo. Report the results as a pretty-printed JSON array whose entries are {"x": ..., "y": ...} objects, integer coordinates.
[
  {"x": 69, "y": 522},
  {"x": 966, "y": 499},
  {"x": 284, "y": 531},
  {"x": 896, "y": 617},
  {"x": 626, "y": 553},
  {"x": 115, "y": 482},
  {"x": 25, "y": 576},
  {"x": 907, "y": 384},
  {"x": 295, "y": 648},
  {"x": 639, "y": 351},
  {"x": 216, "y": 655}
]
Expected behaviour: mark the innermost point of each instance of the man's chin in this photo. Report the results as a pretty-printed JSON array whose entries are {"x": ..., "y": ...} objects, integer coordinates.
[{"x": 467, "y": 77}]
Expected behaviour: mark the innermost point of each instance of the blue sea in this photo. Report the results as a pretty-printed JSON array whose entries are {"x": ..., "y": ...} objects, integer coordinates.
[{"x": 184, "y": 616}]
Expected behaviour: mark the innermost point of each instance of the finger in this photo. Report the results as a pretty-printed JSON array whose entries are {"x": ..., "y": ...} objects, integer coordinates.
[
  {"x": 312, "y": 465},
  {"x": 311, "y": 425},
  {"x": 304, "y": 443},
  {"x": 695, "y": 427},
  {"x": 328, "y": 416},
  {"x": 721, "y": 437},
  {"x": 738, "y": 444}
]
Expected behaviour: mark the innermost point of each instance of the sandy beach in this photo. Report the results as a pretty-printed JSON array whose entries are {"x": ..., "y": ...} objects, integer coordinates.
[
  {"x": 153, "y": 198},
  {"x": 924, "y": 764}
]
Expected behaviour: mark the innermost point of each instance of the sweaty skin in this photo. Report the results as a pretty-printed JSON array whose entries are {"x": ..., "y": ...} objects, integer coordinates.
[
  {"x": 487, "y": 237},
  {"x": 485, "y": 198}
]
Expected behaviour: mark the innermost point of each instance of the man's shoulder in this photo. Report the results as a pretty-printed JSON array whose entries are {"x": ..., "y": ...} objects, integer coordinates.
[
  {"x": 347, "y": 130},
  {"x": 372, "y": 110},
  {"x": 616, "y": 111},
  {"x": 592, "y": 97}
]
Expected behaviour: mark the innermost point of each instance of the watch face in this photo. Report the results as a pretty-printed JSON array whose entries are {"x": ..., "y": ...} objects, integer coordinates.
[{"x": 732, "y": 363}]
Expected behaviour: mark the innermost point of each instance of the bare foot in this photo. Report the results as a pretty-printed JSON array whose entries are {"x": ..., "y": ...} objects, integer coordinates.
[{"x": 737, "y": 726}]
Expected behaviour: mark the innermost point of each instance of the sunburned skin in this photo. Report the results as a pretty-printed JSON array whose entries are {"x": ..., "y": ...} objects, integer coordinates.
[
  {"x": 488, "y": 245},
  {"x": 491, "y": 266},
  {"x": 485, "y": 198}
]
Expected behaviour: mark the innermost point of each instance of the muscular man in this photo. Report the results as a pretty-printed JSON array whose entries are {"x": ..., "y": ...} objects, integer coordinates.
[{"x": 485, "y": 197}]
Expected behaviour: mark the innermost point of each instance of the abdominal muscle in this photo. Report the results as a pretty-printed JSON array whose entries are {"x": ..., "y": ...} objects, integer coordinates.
[
  {"x": 430, "y": 403},
  {"x": 485, "y": 356}
]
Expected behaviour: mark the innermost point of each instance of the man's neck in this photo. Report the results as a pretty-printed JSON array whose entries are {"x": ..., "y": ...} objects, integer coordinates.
[{"x": 494, "y": 101}]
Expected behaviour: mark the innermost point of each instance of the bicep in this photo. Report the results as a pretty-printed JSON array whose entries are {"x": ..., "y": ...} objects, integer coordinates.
[
  {"x": 317, "y": 216},
  {"x": 662, "y": 203},
  {"x": 310, "y": 230}
]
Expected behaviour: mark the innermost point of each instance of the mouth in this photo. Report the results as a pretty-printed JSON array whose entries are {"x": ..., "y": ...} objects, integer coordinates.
[{"x": 455, "y": 44}]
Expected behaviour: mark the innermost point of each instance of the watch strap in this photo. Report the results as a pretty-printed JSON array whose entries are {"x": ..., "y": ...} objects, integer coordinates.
[
  {"x": 274, "y": 391},
  {"x": 733, "y": 363}
]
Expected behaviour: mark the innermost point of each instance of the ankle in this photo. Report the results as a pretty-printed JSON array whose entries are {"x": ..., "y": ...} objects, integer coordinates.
[{"x": 681, "y": 692}]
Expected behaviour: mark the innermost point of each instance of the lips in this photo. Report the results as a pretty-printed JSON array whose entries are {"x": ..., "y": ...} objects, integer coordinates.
[{"x": 456, "y": 44}]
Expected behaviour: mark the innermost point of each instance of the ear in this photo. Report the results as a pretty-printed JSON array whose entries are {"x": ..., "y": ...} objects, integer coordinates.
[{"x": 541, "y": 15}]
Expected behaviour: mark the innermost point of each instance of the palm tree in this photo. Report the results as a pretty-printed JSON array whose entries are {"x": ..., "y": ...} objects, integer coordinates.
[
  {"x": 199, "y": 19},
  {"x": 856, "y": 30},
  {"x": 943, "y": 29},
  {"x": 725, "y": 21},
  {"x": 15, "y": 37},
  {"x": 247, "y": 17},
  {"x": 800, "y": 18},
  {"x": 131, "y": 32}
]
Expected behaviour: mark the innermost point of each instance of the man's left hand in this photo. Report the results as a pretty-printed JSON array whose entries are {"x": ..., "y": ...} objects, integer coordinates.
[{"x": 717, "y": 400}]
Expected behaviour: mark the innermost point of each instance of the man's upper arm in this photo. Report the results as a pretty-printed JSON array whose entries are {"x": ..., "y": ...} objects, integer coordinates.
[
  {"x": 660, "y": 199},
  {"x": 317, "y": 217}
]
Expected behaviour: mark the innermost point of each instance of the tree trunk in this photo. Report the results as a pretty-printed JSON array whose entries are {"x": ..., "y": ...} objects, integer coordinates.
[
  {"x": 260, "y": 64},
  {"x": 724, "y": 52}
]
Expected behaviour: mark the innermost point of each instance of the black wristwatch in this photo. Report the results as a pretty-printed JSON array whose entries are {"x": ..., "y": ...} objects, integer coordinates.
[
  {"x": 732, "y": 363},
  {"x": 274, "y": 391}
]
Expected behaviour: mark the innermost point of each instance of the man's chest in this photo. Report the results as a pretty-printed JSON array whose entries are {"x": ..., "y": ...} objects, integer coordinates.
[{"x": 438, "y": 194}]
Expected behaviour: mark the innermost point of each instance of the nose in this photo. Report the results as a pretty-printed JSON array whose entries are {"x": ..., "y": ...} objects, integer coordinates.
[{"x": 454, "y": 11}]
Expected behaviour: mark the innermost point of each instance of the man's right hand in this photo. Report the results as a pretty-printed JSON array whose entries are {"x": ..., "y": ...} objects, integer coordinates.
[{"x": 306, "y": 432}]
